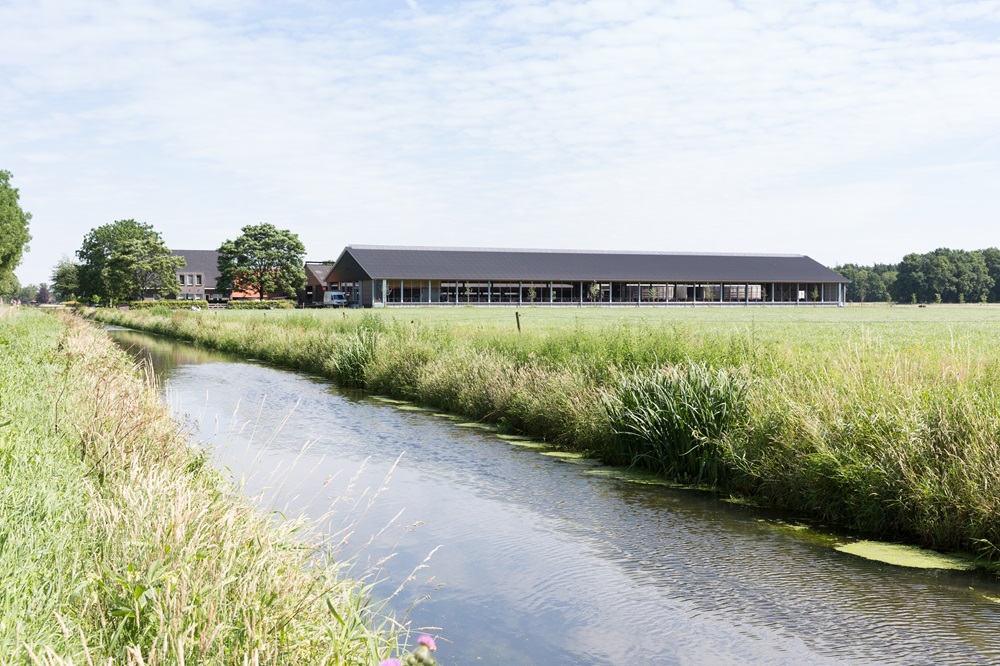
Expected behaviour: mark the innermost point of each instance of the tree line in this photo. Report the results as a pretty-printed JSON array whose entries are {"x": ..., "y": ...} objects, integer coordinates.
[
  {"x": 128, "y": 260},
  {"x": 941, "y": 276}
]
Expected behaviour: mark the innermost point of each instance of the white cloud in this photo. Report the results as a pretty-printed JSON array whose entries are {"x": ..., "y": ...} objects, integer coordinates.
[{"x": 519, "y": 122}]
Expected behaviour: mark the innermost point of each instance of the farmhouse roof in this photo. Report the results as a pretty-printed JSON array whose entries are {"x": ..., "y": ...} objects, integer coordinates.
[
  {"x": 318, "y": 271},
  {"x": 366, "y": 262},
  {"x": 205, "y": 262}
]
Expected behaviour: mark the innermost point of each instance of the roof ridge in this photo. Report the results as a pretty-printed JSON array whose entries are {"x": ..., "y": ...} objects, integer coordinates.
[{"x": 428, "y": 248}]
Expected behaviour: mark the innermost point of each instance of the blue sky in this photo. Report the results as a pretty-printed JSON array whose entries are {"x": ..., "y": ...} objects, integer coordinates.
[{"x": 848, "y": 131}]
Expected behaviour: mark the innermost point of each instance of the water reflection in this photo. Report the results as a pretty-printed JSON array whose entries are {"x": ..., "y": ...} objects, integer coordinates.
[
  {"x": 163, "y": 354},
  {"x": 545, "y": 563}
]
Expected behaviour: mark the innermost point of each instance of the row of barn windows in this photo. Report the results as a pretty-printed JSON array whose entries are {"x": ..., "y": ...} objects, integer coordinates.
[
  {"x": 459, "y": 292},
  {"x": 189, "y": 279}
]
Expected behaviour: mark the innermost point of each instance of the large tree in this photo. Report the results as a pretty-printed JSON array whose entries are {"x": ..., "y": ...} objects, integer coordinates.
[
  {"x": 28, "y": 293},
  {"x": 991, "y": 256},
  {"x": 14, "y": 234},
  {"x": 263, "y": 260},
  {"x": 44, "y": 295},
  {"x": 126, "y": 260},
  {"x": 869, "y": 284},
  {"x": 944, "y": 275},
  {"x": 65, "y": 282},
  {"x": 10, "y": 286}
]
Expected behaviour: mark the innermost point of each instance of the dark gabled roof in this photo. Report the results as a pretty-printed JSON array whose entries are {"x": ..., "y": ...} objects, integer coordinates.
[
  {"x": 317, "y": 271},
  {"x": 205, "y": 262},
  {"x": 366, "y": 262}
]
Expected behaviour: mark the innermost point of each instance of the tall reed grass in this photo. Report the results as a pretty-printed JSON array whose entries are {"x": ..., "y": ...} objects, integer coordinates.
[
  {"x": 119, "y": 545},
  {"x": 676, "y": 420},
  {"x": 891, "y": 429}
]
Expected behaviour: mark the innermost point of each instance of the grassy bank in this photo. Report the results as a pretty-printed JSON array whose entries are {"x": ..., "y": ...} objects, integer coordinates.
[
  {"x": 119, "y": 545},
  {"x": 885, "y": 420}
]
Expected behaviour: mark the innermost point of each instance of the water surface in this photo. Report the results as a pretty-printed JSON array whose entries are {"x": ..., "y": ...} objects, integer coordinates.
[{"x": 537, "y": 560}]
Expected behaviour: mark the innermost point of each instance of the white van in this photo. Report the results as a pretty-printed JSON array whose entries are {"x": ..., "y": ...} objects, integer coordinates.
[{"x": 334, "y": 299}]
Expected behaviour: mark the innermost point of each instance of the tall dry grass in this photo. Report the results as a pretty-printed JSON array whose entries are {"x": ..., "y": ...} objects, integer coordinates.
[{"x": 118, "y": 544}]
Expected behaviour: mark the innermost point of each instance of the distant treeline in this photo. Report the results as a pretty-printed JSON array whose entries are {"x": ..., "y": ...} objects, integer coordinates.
[{"x": 941, "y": 276}]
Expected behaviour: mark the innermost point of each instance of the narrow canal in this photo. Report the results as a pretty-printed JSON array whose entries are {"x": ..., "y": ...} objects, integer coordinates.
[{"x": 536, "y": 559}]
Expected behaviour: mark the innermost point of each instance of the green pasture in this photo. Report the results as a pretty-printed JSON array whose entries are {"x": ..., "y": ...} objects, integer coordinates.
[{"x": 808, "y": 329}]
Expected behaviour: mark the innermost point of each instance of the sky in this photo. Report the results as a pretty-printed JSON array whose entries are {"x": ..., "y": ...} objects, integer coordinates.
[{"x": 849, "y": 131}]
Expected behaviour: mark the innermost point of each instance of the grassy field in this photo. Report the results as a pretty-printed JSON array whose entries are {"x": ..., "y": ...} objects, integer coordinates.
[
  {"x": 881, "y": 419},
  {"x": 119, "y": 545}
]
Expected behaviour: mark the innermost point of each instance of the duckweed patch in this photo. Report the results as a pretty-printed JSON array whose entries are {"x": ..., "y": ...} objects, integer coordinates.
[
  {"x": 901, "y": 555},
  {"x": 564, "y": 455},
  {"x": 516, "y": 438},
  {"x": 584, "y": 461},
  {"x": 528, "y": 444},
  {"x": 632, "y": 476},
  {"x": 477, "y": 426},
  {"x": 803, "y": 532}
]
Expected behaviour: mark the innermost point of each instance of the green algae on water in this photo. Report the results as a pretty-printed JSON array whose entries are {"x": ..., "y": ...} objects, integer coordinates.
[
  {"x": 565, "y": 455},
  {"x": 527, "y": 443},
  {"x": 476, "y": 426},
  {"x": 584, "y": 461},
  {"x": 644, "y": 478},
  {"x": 906, "y": 556},
  {"x": 391, "y": 401},
  {"x": 803, "y": 533}
]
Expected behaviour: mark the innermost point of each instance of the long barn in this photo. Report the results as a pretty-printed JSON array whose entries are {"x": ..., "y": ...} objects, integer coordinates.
[{"x": 377, "y": 276}]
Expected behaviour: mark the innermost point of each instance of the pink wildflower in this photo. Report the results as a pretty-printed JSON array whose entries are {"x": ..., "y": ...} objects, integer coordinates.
[
  {"x": 389, "y": 662},
  {"x": 428, "y": 641}
]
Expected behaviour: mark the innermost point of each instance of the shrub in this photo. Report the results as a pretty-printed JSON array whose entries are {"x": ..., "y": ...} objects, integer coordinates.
[
  {"x": 261, "y": 305},
  {"x": 166, "y": 304}
]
